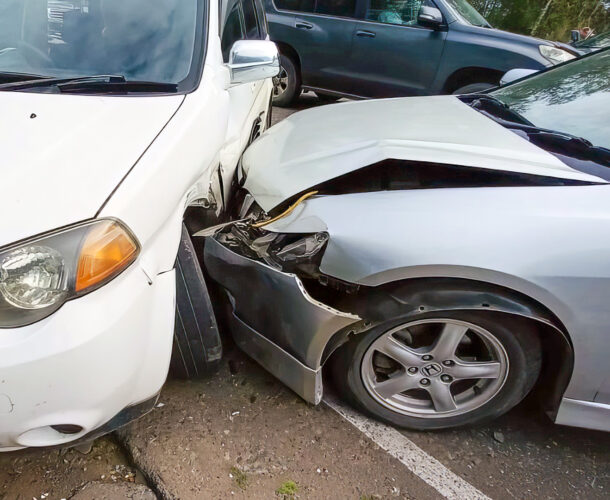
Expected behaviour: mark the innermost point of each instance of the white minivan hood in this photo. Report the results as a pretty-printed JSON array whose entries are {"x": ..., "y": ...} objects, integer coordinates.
[
  {"x": 61, "y": 156},
  {"x": 322, "y": 143}
]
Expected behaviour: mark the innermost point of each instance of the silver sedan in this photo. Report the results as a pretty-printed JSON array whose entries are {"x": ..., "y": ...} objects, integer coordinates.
[{"x": 438, "y": 258}]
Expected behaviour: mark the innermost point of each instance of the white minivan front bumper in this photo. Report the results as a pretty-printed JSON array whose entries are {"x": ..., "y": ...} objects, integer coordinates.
[{"x": 89, "y": 362}]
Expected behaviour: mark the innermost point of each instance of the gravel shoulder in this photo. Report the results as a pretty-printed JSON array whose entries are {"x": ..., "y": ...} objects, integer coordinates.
[{"x": 55, "y": 474}]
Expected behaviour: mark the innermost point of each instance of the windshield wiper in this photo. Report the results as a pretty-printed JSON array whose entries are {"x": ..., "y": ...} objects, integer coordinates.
[
  {"x": 12, "y": 77},
  {"x": 117, "y": 87},
  {"x": 550, "y": 140},
  {"x": 93, "y": 83},
  {"x": 44, "y": 81},
  {"x": 567, "y": 144},
  {"x": 560, "y": 142},
  {"x": 490, "y": 105}
]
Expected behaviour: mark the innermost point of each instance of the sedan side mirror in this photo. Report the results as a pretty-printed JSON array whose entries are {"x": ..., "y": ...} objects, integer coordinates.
[
  {"x": 253, "y": 60},
  {"x": 430, "y": 17}
]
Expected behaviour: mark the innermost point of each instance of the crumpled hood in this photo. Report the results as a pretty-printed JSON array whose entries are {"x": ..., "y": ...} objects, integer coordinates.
[
  {"x": 61, "y": 156},
  {"x": 322, "y": 143}
]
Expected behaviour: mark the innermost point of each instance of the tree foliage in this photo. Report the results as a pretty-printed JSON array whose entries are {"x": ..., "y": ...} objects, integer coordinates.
[{"x": 552, "y": 19}]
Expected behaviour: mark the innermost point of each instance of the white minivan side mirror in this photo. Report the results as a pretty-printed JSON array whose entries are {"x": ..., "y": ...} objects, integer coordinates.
[{"x": 253, "y": 60}]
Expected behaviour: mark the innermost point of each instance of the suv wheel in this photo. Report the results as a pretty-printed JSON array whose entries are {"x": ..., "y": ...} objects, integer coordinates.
[
  {"x": 287, "y": 84},
  {"x": 439, "y": 371}
]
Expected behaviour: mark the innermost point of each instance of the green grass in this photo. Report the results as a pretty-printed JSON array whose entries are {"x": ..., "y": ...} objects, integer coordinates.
[
  {"x": 240, "y": 477},
  {"x": 288, "y": 490}
]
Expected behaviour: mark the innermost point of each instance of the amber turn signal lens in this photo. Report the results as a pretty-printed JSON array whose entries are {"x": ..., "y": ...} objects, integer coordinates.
[{"x": 106, "y": 251}]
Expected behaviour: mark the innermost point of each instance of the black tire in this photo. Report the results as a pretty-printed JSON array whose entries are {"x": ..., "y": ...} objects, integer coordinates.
[
  {"x": 284, "y": 96},
  {"x": 197, "y": 348},
  {"x": 519, "y": 340},
  {"x": 327, "y": 98},
  {"x": 474, "y": 88}
]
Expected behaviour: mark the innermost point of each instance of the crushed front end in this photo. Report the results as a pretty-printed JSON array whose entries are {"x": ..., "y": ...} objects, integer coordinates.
[{"x": 273, "y": 317}]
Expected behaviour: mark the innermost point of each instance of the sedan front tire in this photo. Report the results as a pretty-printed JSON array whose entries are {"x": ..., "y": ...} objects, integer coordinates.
[{"x": 441, "y": 370}]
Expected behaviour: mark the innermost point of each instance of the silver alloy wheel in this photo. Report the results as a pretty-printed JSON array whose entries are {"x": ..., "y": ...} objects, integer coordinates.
[
  {"x": 434, "y": 368},
  {"x": 280, "y": 82}
]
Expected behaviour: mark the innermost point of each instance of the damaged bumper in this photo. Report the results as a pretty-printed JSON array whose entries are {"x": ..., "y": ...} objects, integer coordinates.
[{"x": 275, "y": 320}]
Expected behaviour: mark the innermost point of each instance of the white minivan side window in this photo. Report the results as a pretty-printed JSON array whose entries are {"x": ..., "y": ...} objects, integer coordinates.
[{"x": 234, "y": 30}]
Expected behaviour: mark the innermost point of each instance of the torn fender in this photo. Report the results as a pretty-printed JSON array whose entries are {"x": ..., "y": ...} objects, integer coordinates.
[{"x": 275, "y": 320}]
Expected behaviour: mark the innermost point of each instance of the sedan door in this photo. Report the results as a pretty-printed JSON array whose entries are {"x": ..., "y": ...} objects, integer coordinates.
[{"x": 392, "y": 55}]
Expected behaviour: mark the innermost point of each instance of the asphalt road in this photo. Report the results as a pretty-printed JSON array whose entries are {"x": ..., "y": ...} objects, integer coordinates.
[{"x": 242, "y": 434}]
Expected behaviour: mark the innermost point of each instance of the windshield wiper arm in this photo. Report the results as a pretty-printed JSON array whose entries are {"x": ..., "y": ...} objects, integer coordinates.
[
  {"x": 116, "y": 86},
  {"x": 13, "y": 77},
  {"x": 94, "y": 83},
  {"x": 548, "y": 139},
  {"x": 488, "y": 104},
  {"x": 561, "y": 142},
  {"x": 48, "y": 82}
]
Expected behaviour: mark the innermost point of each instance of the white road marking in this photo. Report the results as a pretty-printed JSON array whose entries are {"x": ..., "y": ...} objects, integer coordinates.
[{"x": 417, "y": 460}]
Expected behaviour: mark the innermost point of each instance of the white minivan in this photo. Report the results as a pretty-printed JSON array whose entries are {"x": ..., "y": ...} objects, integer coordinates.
[{"x": 116, "y": 118}]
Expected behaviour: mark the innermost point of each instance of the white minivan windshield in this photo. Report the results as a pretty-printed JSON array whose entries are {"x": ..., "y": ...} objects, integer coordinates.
[{"x": 144, "y": 40}]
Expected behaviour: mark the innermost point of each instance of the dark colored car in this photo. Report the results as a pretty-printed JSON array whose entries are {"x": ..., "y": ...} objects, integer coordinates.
[{"x": 388, "y": 48}]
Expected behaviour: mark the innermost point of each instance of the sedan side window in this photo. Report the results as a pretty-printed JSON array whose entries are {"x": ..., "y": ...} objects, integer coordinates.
[{"x": 402, "y": 12}]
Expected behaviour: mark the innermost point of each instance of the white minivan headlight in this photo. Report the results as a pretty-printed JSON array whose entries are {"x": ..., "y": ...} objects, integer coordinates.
[
  {"x": 555, "y": 54},
  {"x": 33, "y": 277},
  {"x": 38, "y": 276}
]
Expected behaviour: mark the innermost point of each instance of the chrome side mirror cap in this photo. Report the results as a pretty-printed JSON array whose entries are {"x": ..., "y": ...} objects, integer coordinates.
[
  {"x": 252, "y": 61},
  {"x": 430, "y": 17}
]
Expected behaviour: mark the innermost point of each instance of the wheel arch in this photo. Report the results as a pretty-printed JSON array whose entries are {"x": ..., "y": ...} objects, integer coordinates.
[
  {"x": 468, "y": 75},
  {"x": 426, "y": 295}
]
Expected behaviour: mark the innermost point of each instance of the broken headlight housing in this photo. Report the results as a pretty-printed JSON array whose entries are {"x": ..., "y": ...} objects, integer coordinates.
[
  {"x": 39, "y": 275},
  {"x": 283, "y": 251}
]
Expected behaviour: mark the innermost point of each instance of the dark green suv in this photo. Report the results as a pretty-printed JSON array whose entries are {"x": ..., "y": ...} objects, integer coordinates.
[{"x": 387, "y": 48}]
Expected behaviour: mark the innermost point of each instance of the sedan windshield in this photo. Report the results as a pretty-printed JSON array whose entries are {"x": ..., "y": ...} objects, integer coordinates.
[
  {"x": 143, "y": 40},
  {"x": 573, "y": 98}
]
